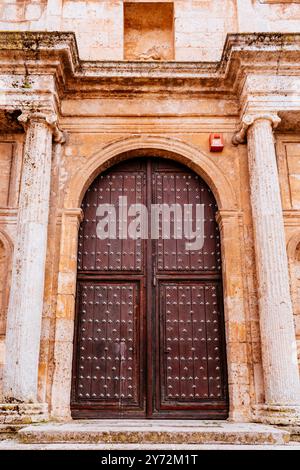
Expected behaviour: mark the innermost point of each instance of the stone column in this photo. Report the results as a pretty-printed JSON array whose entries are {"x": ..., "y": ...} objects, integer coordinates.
[
  {"x": 278, "y": 342},
  {"x": 28, "y": 270}
]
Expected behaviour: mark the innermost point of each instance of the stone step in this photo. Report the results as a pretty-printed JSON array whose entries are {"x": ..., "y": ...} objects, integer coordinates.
[{"x": 153, "y": 431}]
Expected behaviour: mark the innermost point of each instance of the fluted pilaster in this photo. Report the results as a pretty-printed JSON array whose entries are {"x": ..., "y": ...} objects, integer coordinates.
[{"x": 281, "y": 376}]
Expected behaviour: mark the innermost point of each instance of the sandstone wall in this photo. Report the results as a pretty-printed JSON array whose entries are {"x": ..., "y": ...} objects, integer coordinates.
[{"x": 288, "y": 154}]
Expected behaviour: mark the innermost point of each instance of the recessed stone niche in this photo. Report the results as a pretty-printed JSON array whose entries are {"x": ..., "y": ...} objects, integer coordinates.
[{"x": 148, "y": 31}]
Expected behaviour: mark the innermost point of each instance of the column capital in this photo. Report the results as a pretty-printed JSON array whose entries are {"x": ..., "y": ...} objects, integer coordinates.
[
  {"x": 47, "y": 117},
  {"x": 248, "y": 119}
]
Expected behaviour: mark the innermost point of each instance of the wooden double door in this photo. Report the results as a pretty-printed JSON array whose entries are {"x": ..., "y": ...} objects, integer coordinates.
[{"x": 149, "y": 335}]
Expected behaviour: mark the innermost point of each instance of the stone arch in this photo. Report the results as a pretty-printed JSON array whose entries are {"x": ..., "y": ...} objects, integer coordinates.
[
  {"x": 229, "y": 219},
  {"x": 165, "y": 147},
  {"x": 293, "y": 252}
]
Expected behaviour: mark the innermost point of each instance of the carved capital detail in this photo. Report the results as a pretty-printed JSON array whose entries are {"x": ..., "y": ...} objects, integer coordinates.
[
  {"x": 49, "y": 118},
  {"x": 248, "y": 120}
]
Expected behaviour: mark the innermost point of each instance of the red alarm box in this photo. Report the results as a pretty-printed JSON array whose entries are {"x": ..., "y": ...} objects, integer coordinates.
[{"x": 216, "y": 142}]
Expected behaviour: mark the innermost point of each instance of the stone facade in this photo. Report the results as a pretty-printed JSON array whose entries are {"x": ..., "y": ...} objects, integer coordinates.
[{"x": 74, "y": 103}]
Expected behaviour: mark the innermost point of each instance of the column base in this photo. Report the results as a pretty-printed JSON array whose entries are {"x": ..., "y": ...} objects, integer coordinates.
[
  {"x": 23, "y": 413},
  {"x": 283, "y": 415}
]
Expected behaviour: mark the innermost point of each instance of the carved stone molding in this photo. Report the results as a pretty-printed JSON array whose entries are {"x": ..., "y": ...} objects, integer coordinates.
[
  {"x": 242, "y": 54},
  {"x": 24, "y": 318},
  {"x": 247, "y": 120}
]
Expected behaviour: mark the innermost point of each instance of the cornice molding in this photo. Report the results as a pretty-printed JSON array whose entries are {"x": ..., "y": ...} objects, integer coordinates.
[{"x": 56, "y": 53}]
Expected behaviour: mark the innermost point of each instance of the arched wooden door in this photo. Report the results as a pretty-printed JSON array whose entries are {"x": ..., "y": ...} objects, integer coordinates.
[{"x": 149, "y": 334}]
